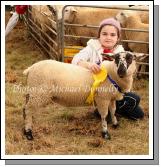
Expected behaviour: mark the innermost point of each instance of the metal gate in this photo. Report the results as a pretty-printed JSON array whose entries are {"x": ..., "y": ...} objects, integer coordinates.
[
  {"x": 49, "y": 41},
  {"x": 92, "y": 27},
  {"x": 53, "y": 43}
]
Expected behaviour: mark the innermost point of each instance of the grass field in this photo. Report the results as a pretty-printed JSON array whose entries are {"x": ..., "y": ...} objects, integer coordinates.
[{"x": 61, "y": 130}]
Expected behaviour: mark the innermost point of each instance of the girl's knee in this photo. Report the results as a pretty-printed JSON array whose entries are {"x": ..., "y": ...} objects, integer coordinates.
[{"x": 133, "y": 98}]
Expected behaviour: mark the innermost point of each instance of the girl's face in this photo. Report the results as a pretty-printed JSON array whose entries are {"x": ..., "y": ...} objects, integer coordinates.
[{"x": 108, "y": 36}]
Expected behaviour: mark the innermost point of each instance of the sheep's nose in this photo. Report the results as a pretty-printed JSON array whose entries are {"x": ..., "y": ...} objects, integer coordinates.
[{"x": 121, "y": 70}]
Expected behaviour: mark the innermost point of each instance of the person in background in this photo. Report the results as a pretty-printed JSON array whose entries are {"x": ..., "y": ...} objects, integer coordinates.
[
  {"x": 19, "y": 10},
  {"x": 90, "y": 57}
]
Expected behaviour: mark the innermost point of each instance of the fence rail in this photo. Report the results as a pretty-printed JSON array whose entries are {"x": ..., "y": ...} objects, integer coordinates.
[{"x": 53, "y": 41}]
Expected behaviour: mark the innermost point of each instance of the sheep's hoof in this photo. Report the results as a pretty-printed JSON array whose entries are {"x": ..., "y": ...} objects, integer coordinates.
[
  {"x": 28, "y": 134},
  {"x": 115, "y": 126},
  {"x": 106, "y": 135}
]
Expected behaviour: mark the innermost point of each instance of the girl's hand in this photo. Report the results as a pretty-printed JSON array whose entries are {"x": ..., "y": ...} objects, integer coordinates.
[{"x": 93, "y": 67}]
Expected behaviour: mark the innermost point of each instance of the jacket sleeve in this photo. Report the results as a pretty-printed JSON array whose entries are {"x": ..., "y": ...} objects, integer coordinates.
[{"x": 84, "y": 55}]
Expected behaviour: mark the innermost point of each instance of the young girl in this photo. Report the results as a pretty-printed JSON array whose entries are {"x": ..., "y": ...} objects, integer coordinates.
[{"x": 90, "y": 57}]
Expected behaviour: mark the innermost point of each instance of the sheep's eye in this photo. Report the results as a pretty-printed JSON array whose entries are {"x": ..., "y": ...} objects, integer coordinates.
[
  {"x": 121, "y": 14},
  {"x": 117, "y": 58},
  {"x": 129, "y": 58}
]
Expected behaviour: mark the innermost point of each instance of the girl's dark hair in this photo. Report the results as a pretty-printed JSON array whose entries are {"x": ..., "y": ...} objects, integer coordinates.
[{"x": 100, "y": 28}]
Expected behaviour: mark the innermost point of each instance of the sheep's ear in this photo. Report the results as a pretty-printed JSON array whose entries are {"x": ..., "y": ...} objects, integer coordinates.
[
  {"x": 52, "y": 9},
  {"x": 140, "y": 56},
  {"x": 124, "y": 14}
]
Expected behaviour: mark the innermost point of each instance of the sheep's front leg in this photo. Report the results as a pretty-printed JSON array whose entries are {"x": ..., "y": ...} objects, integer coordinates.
[
  {"x": 103, "y": 110},
  {"x": 112, "y": 108}
]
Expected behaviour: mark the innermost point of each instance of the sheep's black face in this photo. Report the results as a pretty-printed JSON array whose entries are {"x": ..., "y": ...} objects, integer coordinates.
[{"x": 123, "y": 61}]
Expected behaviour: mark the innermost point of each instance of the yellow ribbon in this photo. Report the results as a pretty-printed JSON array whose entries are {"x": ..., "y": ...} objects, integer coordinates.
[{"x": 98, "y": 79}]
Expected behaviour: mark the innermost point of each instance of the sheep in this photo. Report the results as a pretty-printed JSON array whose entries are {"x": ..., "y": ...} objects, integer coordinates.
[
  {"x": 144, "y": 15},
  {"x": 70, "y": 85},
  {"x": 48, "y": 18},
  {"x": 78, "y": 15},
  {"x": 41, "y": 15},
  {"x": 44, "y": 14},
  {"x": 45, "y": 17},
  {"x": 133, "y": 21}
]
